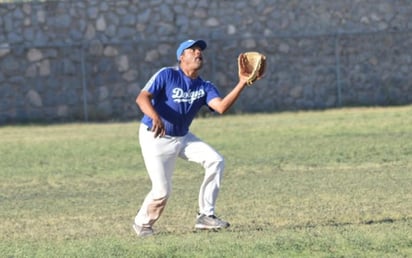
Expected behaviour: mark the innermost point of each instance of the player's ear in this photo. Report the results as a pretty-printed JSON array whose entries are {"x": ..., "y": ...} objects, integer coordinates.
[{"x": 180, "y": 58}]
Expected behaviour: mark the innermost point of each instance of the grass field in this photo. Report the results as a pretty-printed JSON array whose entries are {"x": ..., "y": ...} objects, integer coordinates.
[{"x": 334, "y": 183}]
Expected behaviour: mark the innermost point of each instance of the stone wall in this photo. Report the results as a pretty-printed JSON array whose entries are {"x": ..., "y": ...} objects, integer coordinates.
[{"x": 87, "y": 60}]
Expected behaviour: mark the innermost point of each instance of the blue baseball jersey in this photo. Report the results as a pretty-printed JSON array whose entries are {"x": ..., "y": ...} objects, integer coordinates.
[{"x": 177, "y": 99}]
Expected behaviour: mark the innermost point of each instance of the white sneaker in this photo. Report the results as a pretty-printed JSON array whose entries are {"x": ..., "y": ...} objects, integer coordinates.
[
  {"x": 142, "y": 231},
  {"x": 210, "y": 222}
]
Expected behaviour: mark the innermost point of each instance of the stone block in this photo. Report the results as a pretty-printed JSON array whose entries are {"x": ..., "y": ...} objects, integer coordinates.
[
  {"x": 34, "y": 98},
  {"x": 34, "y": 55}
]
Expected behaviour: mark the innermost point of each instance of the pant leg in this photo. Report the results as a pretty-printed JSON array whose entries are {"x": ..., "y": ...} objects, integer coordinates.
[
  {"x": 159, "y": 155},
  {"x": 196, "y": 150}
]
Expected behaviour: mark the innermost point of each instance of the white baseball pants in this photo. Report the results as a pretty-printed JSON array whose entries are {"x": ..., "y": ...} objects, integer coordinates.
[{"x": 160, "y": 155}]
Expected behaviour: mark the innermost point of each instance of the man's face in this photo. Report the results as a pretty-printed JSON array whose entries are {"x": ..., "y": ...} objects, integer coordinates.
[{"x": 192, "y": 57}]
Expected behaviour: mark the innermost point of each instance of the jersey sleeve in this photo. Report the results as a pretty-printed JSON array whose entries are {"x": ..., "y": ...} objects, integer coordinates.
[
  {"x": 156, "y": 82},
  {"x": 211, "y": 92}
]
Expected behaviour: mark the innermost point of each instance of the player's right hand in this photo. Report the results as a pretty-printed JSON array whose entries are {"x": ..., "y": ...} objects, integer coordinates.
[{"x": 158, "y": 128}]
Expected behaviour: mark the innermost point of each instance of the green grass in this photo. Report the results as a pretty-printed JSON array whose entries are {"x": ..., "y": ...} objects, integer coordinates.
[{"x": 333, "y": 183}]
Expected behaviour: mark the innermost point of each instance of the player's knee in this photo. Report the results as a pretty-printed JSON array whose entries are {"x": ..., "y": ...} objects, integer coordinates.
[
  {"x": 161, "y": 201},
  {"x": 217, "y": 163},
  {"x": 221, "y": 163},
  {"x": 161, "y": 193},
  {"x": 160, "y": 197}
]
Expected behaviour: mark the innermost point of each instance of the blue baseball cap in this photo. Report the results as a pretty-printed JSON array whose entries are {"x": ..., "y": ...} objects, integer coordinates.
[{"x": 189, "y": 43}]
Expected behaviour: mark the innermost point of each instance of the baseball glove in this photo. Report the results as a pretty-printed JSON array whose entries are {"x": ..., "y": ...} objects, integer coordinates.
[{"x": 251, "y": 65}]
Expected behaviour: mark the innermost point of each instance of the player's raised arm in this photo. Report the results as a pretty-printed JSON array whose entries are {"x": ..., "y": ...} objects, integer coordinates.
[
  {"x": 251, "y": 67},
  {"x": 222, "y": 105}
]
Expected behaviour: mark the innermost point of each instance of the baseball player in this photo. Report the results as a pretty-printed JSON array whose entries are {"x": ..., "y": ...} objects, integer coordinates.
[{"x": 170, "y": 101}]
